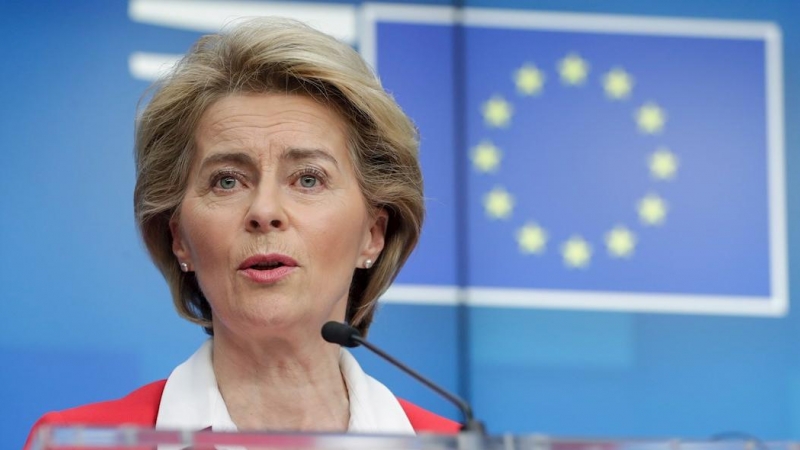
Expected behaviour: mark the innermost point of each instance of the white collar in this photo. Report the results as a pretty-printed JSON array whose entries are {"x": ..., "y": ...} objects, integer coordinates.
[{"x": 192, "y": 401}]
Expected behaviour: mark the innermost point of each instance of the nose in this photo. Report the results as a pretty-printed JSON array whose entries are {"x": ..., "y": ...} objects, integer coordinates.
[{"x": 266, "y": 211}]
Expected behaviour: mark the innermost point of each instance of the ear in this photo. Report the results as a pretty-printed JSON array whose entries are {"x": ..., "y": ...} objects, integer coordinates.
[
  {"x": 179, "y": 247},
  {"x": 376, "y": 236}
]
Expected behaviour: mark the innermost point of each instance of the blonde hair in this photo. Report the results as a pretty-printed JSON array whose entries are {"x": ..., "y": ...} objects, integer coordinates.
[{"x": 268, "y": 55}]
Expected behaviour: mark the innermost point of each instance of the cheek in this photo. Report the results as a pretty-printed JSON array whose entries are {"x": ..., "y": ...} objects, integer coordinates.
[
  {"x": 209, "y": 250},
  {"x": 209, "y": 246},
  {"x": 206, "y": 234},
  {"x": 341, "y": 239}
]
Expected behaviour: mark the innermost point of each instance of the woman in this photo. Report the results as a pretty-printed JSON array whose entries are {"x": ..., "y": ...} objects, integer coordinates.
[{"x": 278, "y": 188}]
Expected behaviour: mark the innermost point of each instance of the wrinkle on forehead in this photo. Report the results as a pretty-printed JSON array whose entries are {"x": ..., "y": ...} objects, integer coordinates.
[
  {"x": 270, "y": 126},
  {"x": 229, "y": 120}
]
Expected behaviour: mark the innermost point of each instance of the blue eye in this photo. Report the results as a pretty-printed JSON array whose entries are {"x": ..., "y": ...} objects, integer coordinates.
[
  {"x": 227, "y": 182},
  {"x": 308, "y": 181}
]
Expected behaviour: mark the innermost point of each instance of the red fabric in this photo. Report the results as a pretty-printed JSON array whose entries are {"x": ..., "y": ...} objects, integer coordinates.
[
  {"x": 424, "y": 421},
  {"x": 140, "y": 408}
]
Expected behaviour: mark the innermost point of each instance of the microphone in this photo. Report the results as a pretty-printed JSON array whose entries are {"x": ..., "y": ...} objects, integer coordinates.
[{"x": 347, "y": 336}]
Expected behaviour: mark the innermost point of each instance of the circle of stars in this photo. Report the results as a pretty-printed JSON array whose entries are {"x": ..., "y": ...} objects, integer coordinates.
[{"x": 650, "y": 119}]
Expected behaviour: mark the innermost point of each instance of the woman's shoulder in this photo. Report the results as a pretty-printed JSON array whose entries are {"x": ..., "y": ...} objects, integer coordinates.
[
  {"x": 140, "y": 407},
  {"x": 423, "y": 420}
]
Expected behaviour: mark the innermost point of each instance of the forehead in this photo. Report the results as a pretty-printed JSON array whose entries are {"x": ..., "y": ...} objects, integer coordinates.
[{"x": 252, "y": 120}]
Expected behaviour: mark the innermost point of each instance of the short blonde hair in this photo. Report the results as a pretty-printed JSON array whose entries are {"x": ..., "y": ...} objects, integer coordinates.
[{"x": 268, "y": 55}]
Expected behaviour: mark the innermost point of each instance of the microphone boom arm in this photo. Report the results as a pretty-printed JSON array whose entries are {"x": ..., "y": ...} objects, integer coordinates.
[
  {"x": 347, "y": 336},
  {"x": 461, "y": 404}
]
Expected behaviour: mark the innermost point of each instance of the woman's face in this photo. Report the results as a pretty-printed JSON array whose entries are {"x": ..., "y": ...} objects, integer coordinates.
[{"x": 273, "y": 222}]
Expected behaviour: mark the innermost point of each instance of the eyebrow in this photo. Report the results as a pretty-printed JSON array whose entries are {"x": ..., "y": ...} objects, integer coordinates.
[
  {"x": 242, "y": 159},
  {"x": 297, "y": 154}
]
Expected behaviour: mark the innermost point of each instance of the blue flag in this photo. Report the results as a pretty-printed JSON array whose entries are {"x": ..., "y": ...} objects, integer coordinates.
[{"x": 607, "y": 163}]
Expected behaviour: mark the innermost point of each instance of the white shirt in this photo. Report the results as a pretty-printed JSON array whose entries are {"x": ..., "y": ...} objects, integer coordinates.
[{"x": 192, "y": 401}]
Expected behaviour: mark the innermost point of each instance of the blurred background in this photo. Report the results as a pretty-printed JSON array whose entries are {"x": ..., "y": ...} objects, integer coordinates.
[{"x": 610, "y": 208}]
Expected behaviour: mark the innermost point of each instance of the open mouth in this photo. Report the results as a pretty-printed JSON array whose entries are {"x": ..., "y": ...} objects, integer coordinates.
[
  {"x": 268, "y": 268},
  {"x": 264, "y": 263},
  {"x": 267, "y": 265}
]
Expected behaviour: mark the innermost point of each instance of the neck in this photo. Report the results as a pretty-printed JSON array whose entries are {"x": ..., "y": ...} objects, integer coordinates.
[{"x": 281, "y": 385}]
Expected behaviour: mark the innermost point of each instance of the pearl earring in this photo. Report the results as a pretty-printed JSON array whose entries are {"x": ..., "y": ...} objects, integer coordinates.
[
  {"x": 184, "y": 267},
  {"x": 368, "y": 264}
]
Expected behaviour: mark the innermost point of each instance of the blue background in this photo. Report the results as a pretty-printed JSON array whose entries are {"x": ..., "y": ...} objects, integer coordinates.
[{"x": 87, "y": 317}]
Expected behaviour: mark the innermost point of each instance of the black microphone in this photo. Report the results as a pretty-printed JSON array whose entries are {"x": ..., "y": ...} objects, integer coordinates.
[{"x": 347, "y": 336}]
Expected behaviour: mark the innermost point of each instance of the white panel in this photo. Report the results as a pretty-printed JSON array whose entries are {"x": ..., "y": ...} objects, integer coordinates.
[{"x": 211, "y": 15}]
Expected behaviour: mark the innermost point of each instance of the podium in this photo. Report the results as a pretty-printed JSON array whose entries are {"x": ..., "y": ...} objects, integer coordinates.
[{"x": 133, "y": 438}]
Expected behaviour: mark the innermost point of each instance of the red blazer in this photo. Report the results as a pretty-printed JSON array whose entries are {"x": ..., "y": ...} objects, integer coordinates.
[{"x": 140, "y": 407}]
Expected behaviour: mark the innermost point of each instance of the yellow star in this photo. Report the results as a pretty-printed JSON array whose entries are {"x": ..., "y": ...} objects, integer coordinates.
[
  {"x": 663, "y": 164},
  {"x": 486, "y": 157},
  {"x": 651, "y": 118},
  {"x": 577, "y": 253},
  {"x": 573, "y": 69},
  {"x": 652, "y": 210},
  {"x": 618, "y": 84},
  {"x": 620, "y": 242},
  {"x": 529, "y": 80},
  {"x": 532, "y": 239},
  {"x": 498, "y": 203},
  {"x": 497, "y": 112}
]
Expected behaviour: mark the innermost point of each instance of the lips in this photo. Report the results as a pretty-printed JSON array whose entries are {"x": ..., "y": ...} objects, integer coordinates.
[
  {"x": 267, "y": 269},
  {"x": 267, "y": 262}
]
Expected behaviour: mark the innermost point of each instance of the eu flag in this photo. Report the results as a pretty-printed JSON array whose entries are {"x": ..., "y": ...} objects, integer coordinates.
[{"x": 606, "y": 162}]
